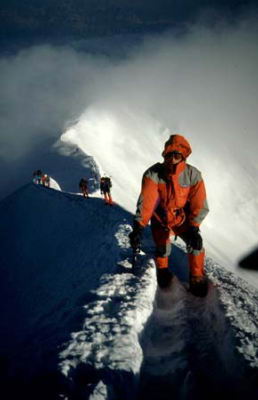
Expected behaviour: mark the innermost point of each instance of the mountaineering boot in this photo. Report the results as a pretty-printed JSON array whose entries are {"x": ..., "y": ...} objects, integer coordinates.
[
  {"x": 164, "y": 278},
  {"x": 198, "y": 286}
]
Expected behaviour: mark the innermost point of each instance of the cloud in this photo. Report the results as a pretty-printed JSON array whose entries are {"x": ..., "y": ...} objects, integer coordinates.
[
  {"x": 41, "y": 89},
  {"x": 204, "y": 80}
]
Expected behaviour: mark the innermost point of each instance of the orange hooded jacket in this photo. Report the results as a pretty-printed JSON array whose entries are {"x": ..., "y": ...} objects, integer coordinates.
[{"x": 173, "y": 199}]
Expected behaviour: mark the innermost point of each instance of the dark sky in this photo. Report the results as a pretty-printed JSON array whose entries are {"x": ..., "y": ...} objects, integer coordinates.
[{"x": 91, "y": 18}]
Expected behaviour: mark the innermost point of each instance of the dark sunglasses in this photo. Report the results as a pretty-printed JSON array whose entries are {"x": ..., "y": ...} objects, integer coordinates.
[{"x": 174, "y": 154}]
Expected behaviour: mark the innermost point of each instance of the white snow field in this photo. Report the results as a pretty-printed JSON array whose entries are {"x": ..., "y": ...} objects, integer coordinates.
[{"x": 76, "y": 323}]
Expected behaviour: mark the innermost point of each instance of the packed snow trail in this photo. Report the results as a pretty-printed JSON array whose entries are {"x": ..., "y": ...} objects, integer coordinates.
[
  {"x": 199, "y": 348},
  {"x": 190, "y": 351}
]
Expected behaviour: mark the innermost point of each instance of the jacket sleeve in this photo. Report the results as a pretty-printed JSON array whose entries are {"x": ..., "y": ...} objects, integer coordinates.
[
  {"x": 198, "y": 202},
  {"x": 148, "y": 199}
]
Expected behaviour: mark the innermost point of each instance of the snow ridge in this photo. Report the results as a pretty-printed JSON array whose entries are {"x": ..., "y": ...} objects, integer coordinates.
[{"x": 107, "y": 332}]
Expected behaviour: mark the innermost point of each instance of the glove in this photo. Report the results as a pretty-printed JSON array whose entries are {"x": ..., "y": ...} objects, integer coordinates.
[
  {"x": 193, "y": 238},
  {"x": 136, "y": 235}
]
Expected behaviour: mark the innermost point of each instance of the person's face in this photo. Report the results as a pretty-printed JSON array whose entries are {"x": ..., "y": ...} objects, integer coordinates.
[{"x": 173, "y": 158}]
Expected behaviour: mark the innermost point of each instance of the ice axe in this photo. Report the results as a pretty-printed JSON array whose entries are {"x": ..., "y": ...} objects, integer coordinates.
[{"x": 136, "y": 252}]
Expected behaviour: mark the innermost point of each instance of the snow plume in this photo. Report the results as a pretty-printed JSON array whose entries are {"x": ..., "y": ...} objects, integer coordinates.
[{"x": 114, "y": 137}]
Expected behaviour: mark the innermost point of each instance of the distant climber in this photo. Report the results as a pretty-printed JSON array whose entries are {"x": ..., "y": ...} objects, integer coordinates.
[
  {"x": 105, "y": 187},
  {"x": 37, "y": 176},
  {"x": 45, "y": 180},
  {"x": 83, "y": 185},
  {"x": 173, "y": 197}
]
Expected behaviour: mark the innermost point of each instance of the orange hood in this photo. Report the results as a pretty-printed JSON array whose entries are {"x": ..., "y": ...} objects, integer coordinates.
[{"x": 177, "y": 143}]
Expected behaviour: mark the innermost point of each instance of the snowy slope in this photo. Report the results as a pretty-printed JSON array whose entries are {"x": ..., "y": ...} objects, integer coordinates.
[
  {"x": 54, "y": 249},
  {"x": 77, "y": 324}
]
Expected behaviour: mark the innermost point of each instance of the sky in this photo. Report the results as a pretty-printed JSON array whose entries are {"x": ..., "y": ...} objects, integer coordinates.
[
  {"x": 120, "y": 110},
  {"x": 36, "y": 20}
]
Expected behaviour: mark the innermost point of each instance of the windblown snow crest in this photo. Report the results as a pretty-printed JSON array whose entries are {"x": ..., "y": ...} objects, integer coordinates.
[{"x": 107, "y": 349}]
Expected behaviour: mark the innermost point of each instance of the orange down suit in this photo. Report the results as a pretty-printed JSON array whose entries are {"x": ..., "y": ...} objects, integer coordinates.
[{"x": 173, "y": 203}]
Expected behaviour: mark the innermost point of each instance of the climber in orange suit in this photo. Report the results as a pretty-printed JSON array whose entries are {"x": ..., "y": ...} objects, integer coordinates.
[{"x": 173, "y": 197}]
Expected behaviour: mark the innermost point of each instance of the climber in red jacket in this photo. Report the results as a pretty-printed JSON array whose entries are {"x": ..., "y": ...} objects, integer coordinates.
[{"x": 173, "y": 197}]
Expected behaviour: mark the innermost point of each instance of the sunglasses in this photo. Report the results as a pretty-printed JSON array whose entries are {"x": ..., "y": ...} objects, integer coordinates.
[{"x": 174, "y": 154}]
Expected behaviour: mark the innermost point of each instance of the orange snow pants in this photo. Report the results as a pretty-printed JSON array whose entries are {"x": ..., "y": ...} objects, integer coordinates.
[
  {"x": 163, "y": 242},
  {"x": 108, "y": 198}
]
